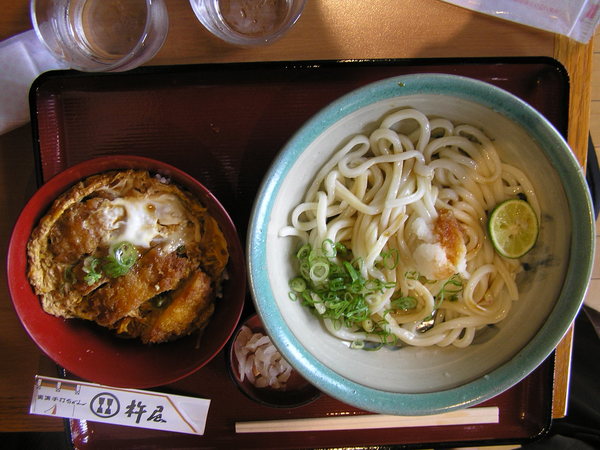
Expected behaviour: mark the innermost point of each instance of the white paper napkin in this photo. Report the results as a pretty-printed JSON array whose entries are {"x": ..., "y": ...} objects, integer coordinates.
[{"x": 22, "y": 59}]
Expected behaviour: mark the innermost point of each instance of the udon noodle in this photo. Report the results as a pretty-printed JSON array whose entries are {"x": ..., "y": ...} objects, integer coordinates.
[{"x": 410, "y": 202}]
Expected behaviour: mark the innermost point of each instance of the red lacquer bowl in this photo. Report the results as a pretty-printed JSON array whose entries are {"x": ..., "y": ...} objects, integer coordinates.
[{"x": 94, "y": 353}]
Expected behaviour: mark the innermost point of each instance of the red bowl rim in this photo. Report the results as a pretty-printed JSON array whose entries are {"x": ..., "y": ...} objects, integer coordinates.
[{"x": 106, "y": 359}]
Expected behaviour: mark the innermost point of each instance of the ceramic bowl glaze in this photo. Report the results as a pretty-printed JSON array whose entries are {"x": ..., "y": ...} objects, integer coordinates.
[{"x": 416, "y": 381}]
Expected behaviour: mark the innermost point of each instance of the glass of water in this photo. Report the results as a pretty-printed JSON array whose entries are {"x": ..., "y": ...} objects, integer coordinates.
[
  {"x": 101, "y": 35},
  {"x": 248, "y": 22}
]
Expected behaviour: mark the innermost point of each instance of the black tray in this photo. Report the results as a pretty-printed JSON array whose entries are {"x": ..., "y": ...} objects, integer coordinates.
[{"x": 223, "y": 124}]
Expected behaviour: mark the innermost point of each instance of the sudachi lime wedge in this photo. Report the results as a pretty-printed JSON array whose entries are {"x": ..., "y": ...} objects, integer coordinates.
[{"x": 513, "y": 228}]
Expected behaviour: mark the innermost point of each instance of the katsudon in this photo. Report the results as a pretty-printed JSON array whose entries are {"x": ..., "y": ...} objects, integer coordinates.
[{"x": 132, "y": 252}]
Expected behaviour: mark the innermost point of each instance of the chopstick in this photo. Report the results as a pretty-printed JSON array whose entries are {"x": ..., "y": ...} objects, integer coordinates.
[{"x": 371, "y": 421}]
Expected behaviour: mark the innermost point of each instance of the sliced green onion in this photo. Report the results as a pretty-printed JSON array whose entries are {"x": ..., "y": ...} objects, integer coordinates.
[
  {"x": 354, "y": 275},
  {"x": 390, "y": 259},
  {"x": 452, "y": 288},
  {"x": 303, "y": 252},
  {"x": 298, "y": 284},
  {"x": 125, "y": 253},
  {"x": 337, "y": 284},
  {"x": 114, "y": 269},
  {"x": 331, "y": 285},
  {"x": 319, "y": 271},
  {"x": 90, "y": 267},
  {"x": 305, "y": 270},
  {"x": 404, "y": 303},
  {"x": 120, "y": 259},
  {"x": 357, "y": 344},
  {"x": 411, "y": 275},
  {"x": 329, "y": 248},
  {"x": 449, "y": 291}
]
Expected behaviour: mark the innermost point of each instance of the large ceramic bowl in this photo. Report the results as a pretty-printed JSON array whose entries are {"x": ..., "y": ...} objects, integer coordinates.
[
  {"x": 414, "y": 380},
  {"x": 94, "y": 353}
]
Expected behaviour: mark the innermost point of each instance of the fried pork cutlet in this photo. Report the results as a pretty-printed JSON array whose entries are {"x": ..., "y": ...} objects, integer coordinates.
[
  {"x": 131, "y": 252},
  {"x": 190, "y": 307},
  {"x": 78, "y": 231},
  {"x": 156, "y": 272}
]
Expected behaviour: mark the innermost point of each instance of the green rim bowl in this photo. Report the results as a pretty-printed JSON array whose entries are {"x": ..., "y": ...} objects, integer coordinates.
[{"x": 552, "y": 294}]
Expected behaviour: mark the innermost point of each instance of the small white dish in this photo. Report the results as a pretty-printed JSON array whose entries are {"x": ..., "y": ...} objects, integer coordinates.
[{"x": 296, "y": 392}]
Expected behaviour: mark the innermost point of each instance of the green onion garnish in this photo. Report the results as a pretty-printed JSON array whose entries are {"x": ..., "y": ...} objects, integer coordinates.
[
  {"x": 91, "y": 269},
  {"x": 404, "y": 303},
  {"x": 298, "y": 284},
  {"x": 331, "y": 285},
  {"x": 449, "y": 291},
  {"x": 120, "y": 259}
]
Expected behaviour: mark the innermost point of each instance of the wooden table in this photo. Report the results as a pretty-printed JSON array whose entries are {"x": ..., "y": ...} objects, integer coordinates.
[{"x": 328, "y": 29}]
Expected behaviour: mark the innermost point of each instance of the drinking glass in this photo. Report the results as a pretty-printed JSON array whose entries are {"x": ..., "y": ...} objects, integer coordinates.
[
  {"x": 101, "y": 35},
  {"x": 248, "y": 22}
]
